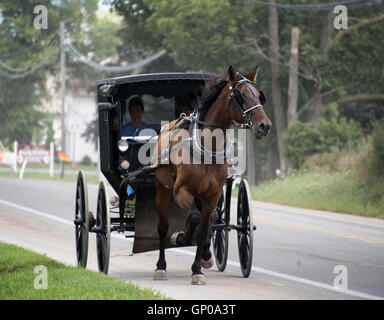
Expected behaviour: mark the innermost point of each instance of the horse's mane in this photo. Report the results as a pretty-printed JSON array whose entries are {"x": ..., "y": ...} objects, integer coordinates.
[{"x": 210, "y": 93}]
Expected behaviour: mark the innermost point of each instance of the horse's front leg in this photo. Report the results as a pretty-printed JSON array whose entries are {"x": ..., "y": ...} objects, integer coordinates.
[
  {"x": 207, "y": 259},
  {"x": 203, "y": 240}
]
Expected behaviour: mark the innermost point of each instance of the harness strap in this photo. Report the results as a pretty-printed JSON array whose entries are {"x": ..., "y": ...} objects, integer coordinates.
[{"x": 209, "y": 124}]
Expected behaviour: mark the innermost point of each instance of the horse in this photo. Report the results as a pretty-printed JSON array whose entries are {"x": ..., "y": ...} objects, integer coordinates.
[{"x": 197, "y": 188}]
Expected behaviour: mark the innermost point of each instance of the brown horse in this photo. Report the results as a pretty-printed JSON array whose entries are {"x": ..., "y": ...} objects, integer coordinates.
[{"x": 197, "y": 187}]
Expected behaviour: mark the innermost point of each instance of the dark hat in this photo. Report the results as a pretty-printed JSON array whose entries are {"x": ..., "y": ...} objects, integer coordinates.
[{"x": 135, "y": 99}]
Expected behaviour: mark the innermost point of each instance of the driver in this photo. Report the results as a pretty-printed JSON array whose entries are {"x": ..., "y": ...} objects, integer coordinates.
[{"x": 136, "y": 110}]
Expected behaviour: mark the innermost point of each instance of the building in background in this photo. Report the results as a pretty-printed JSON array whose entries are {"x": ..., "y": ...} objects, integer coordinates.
[{"x": 80, "y": 111}]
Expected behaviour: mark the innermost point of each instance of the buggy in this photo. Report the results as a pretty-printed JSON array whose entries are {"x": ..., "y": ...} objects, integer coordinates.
[{"x": 167, "y": 97}]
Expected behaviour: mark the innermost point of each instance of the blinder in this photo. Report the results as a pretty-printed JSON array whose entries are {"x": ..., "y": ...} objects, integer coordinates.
[
  {"x": 239, "y": 96},
  {"x": 262, "y": 98},
  {"x": 239, "y": 99}
]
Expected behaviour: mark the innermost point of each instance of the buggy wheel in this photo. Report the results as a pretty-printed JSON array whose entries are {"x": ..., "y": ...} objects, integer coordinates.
[
  {"x": 220, "y": 235},
  {"x": 81, "y": 221},
  {"x": 103, "y": 230},
  {"x": 244, "y": 228}
]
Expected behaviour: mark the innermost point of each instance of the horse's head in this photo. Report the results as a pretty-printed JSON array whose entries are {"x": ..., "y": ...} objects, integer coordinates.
[{"x": 246, "y": 102}]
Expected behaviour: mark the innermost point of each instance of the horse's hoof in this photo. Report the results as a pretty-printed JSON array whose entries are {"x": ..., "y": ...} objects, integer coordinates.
[
  {"x": 173, "y": 239},
  {"x": 198, "y": 279},
  {"x": 160, "y": 275},
  {"x": 206, "y": 264}
]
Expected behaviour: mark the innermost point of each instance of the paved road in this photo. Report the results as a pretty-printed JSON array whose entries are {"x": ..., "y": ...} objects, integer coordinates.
[{"x": 296, "y": 250}]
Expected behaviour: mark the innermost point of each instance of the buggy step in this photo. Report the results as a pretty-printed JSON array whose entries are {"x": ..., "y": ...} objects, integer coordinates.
[
  {"x": 78, "y": 222},
  {"x": 98, "y": 229}
]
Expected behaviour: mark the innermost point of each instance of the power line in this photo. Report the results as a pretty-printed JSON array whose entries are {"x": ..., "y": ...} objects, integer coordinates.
[
  {"x": 29, "y": 48},
  {"x": 23, "y": 72},
  {"x": 353, "y": 4},
  {"x": 79, "y": 56},
  {"x": 22, "y": 75}
]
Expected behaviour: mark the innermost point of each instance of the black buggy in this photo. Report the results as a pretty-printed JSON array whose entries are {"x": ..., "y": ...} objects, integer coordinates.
[{"x": 166, "y": 97}]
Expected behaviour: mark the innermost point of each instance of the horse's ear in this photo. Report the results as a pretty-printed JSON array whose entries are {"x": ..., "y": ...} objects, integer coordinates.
[
  {"x": 253, "y": 74},
  {"x": 231, "y": 74}
]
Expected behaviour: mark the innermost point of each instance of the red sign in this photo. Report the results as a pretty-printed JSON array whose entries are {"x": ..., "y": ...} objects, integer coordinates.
[{"x": 33, "y": 153}]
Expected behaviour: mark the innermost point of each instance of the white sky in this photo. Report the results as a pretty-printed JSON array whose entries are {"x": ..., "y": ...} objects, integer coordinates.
[{"x": 103, "y": 8}]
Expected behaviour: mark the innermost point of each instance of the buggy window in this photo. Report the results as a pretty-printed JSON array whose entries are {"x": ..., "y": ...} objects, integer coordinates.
[{"x": 156, "y": 109}]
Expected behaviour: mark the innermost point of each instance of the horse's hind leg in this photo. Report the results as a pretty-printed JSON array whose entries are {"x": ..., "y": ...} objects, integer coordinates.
[{"x": 163, "y": 196}]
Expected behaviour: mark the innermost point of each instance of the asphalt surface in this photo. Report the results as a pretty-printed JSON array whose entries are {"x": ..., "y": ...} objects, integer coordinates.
[{"x": 298, "y": 253}]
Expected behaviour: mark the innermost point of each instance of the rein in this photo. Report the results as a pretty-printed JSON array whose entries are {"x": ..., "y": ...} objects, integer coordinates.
[{"x": 209, "y": 124}]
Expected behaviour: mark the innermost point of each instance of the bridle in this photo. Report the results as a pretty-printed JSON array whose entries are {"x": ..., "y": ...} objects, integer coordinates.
[{"x": 239, "y": 99}]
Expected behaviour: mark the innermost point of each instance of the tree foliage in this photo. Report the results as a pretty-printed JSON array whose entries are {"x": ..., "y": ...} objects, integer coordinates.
[
  {"x": 376, "y": 159},
  {"x": 33, "y": 53},
  {"x": 303, "y": 139},
  {"x": 208, "y": 35},
  {"x": 201, "y": 35},
  {"x": 30, "y": 56}
]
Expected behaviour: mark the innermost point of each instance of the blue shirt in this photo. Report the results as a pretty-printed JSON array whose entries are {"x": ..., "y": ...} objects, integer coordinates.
[{"x": 129, "y": 131}]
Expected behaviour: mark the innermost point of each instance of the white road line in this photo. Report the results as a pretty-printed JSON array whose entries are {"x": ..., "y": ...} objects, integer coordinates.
[
  {"x": 296, "y": 279},
  {"x": 229, "y": 262},
  {"x": 36, "y": 212}
]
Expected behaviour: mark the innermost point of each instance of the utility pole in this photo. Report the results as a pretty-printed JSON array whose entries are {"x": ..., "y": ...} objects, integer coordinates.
[
  {"x": 280, "y": 116},
  {"x": 62, "y": 85},
  {"x": 292, "y": 115},
  {"x": 62, "y": 93}
]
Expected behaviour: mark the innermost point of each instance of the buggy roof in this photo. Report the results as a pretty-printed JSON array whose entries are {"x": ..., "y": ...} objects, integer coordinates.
[
  {"x": 156, "y": 84},
  {"x": 156, "y": 77}
]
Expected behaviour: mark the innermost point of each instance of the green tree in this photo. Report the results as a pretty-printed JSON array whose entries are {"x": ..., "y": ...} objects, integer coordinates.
[
  {"x": 208, "y": 35},
  {"x": 29, "y": 56},
  {"x": 201, "y": 35},
  {"x": 331, "y": 131}
]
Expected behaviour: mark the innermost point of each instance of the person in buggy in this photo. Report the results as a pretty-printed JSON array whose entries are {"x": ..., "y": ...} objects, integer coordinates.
[
  {"x": 136, "y": 109},
  {"x": 132, "y": 129}
]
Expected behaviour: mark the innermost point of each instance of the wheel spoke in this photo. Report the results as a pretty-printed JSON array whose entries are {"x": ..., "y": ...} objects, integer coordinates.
[
  {"x": 104, "y": 245},
  {"x": 220, "y": 236},
  {"x": 102, "y": 237},
  {"x": 79, "y": 210},
  {"x": 80, "y": 198},
  {"x": 78, "y": 243},
  {"x": 220, "y": 246},
  {"x": 245, "y": 230},
  {"x": 244, "y": 258}
]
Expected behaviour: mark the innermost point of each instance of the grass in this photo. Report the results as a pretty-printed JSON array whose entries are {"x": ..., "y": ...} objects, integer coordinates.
[
  {"x": 68, "y": 166},
  {"x": 350, "y": 181},
  {"x": 338, "y": 191},
  {"x": 17, "y": 280}
]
